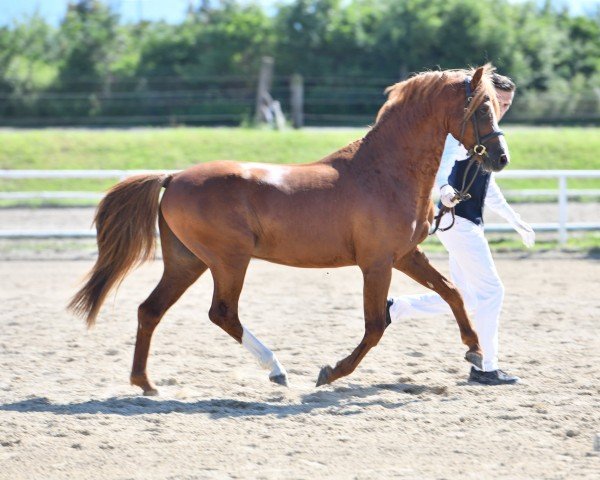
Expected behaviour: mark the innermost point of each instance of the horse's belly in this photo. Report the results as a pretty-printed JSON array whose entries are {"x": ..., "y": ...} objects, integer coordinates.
[
  {"x": 296, "y": 248},
  {"x": 299, "y": 262}
]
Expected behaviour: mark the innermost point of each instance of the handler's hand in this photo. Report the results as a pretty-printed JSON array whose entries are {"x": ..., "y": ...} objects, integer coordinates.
[
  {"x": 448, "y": 196},
  {"x": 526, "y": 232}
]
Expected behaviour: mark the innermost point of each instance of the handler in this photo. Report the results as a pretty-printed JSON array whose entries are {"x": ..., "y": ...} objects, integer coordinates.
[{"x": 472, "y": 268}]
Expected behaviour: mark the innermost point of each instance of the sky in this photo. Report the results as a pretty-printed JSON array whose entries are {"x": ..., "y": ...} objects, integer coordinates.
[{"x": 171, "y": 11}]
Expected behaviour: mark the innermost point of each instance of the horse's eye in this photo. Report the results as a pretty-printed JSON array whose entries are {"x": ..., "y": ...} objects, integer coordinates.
[{"x": 484, "y": 108}]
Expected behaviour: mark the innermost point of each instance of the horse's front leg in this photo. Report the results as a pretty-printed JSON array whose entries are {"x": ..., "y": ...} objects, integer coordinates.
[
  {"x": 376, "y": 285},
  {"x": 417, "y": 266}
]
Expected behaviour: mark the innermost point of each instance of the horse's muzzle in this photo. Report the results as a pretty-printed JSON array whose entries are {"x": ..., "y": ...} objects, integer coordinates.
[
  {"x": 502, "y": 162},
  {"x": 496, "y": 159}
]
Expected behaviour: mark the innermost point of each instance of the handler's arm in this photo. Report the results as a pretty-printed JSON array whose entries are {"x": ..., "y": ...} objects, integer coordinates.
[
  {"x": 452, "y": 152},
  {"x": 496, "y": 202}
]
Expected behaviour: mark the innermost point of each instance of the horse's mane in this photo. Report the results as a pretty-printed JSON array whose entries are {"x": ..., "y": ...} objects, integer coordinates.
[{"x": 424, "y": 85}]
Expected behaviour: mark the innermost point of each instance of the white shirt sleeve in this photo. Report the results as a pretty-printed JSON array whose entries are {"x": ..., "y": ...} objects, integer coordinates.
[
  {"x": 495, "y": 201},
  {"x": 453, "y": 151}
]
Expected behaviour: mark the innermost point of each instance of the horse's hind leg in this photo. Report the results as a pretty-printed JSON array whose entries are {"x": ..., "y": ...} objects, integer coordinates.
[
  {"x": 229, "y": 279},
  {"x": 181, "y": 269},
  {"x": 376, "y": 285},
  {"x": 417, "y": 266}
]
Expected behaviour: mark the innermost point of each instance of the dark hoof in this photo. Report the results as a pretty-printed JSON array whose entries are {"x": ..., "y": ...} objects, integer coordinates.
[
  {"x": 280, "y": 379},
  {"x": 152, "y": 392},
  {"x": 324, "y": 376},
  {"x": 475, "y": 358}
]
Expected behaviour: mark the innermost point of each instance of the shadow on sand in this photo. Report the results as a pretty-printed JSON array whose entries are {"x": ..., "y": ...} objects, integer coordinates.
[{"x": 340, "y": 401}]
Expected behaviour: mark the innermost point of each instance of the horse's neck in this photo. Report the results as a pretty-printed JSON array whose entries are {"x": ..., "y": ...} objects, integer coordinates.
[{"x": 406, "y": 146}]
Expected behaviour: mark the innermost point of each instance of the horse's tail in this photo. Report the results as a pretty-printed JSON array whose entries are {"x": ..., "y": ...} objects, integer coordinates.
[{"x": 126, "y": 225}]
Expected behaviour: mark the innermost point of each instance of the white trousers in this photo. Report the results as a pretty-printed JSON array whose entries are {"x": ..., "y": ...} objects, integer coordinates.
[{"x": 473, "y": 272}]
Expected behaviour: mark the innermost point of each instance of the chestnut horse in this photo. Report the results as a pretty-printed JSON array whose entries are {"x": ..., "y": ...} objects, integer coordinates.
[{"x": 368, "y": 204}]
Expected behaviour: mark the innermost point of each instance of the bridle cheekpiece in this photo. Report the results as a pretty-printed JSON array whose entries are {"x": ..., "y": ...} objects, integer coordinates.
[{"x": 478, "y": 150}]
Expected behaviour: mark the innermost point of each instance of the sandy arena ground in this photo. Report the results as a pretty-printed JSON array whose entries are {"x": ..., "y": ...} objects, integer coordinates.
[{"x": 67, "y": 411}]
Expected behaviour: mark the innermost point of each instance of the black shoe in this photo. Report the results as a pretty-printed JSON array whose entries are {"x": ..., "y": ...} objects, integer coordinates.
[
  {"x": 388, "y": 318},
  {"x": 497, "y": 377}
]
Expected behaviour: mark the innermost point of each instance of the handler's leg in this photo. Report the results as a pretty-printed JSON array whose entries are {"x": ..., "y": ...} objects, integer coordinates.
[
  {"x": 474, "y": 257},
  {"x": 417, "y": 266},
  {"x": 477, "y": 265},
  {"x": 426, "y": 304}
]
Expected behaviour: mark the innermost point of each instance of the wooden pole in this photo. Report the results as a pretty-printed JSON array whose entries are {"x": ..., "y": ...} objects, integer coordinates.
[
  {"x": 297, "y": 100},
  {"x": 265, "y": 79}
]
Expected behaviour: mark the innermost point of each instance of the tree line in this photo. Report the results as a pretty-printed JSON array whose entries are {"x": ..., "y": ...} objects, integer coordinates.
[{"x": 93, "y": 66}]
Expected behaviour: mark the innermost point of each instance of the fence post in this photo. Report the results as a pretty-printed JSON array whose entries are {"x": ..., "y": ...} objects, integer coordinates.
[
  {"x": 562, "y": 210},
  {"x": 264, "y": 85},
  {"x": 297, "y": 100}
]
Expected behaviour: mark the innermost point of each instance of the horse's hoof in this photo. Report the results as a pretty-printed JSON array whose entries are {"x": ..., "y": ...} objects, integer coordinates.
[
  {"x": 145, "y": 384},
  {"x": 475, "y": 358},
  {"x": 280, "y": 379},
  {"x": 324, "y": 375}
]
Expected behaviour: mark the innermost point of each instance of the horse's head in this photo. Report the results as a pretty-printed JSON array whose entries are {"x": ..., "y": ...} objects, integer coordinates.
[{"x": 475, "y": 123}]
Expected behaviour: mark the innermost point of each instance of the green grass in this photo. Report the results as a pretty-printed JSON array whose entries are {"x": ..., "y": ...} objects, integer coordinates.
[
  {"x": 164, "y": 148},
  {"x": 531, "y": 147},
  {"x": 548, "y": 148},
  {"x": 176, "y": 148}
]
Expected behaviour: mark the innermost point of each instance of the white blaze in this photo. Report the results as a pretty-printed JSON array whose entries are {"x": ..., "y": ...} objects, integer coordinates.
[{"x": 501, "y": 138}]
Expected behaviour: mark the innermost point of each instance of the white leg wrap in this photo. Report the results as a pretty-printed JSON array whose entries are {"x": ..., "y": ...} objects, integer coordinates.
[{"x": 266, "y": 358}]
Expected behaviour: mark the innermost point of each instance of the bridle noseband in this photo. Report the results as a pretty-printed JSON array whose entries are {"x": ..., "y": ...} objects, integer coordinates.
[{"x": 478, "y": 150}]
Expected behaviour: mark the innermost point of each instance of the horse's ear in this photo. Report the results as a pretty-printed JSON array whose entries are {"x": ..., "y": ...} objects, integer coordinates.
[{"x": 476, "y": 78}]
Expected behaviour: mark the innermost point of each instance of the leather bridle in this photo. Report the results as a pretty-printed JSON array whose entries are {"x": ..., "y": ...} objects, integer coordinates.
[{"x": 478, "y": 150}]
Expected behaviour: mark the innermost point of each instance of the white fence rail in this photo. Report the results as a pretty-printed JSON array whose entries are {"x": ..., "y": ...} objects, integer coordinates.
[
  {"x": 561, "y": 175},
  {"x": 562, "y": 226}
]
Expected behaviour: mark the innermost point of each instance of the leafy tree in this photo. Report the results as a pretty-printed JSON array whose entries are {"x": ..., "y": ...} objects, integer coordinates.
[
  {"x": 209, "y": 61},
  {"x": 304, "y": 31},
  {"x": 88, "y": 39},
  {"x": 224, "y": 40},
  {"x": 27, "y": 55}
]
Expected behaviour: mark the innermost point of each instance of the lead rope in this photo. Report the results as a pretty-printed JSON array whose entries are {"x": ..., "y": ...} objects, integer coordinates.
[
  {"x": 461, "y": 196},
  {"x": 478, "y": 151}
]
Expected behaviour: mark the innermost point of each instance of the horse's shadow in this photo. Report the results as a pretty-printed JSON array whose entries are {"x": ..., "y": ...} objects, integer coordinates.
[{"x": 340, "y": 401}]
